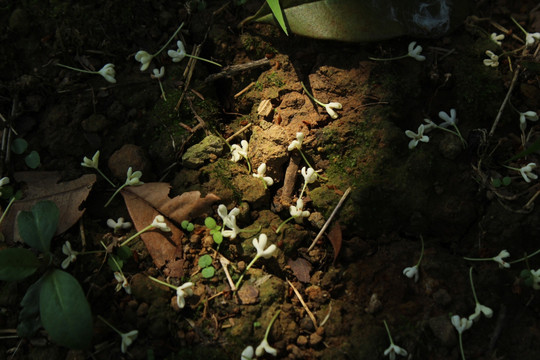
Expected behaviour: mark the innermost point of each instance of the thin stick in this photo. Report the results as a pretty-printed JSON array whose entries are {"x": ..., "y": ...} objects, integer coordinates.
[
  {"x": 330, "y": 218},
  {"x": 311, "y": 316},
  {"x": 238, "y": 132},
  {"x": 244, "y": 89},
  {"x": 224, "y": 262},
  {"x": 503, "y": 105}
]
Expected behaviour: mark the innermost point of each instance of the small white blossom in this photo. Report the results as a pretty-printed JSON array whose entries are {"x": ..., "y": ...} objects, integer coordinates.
[
  {"x": 91, "y": 163},
  {"x": 128, "y": 339},
  {"x": 297, "y": 211},
  {"x": 118, "y": 225},
  {"x": 448, "y": 119},
  {"x": 247, "y": 354},
  {"x": 330, "y": 109},
  {"x": 527, "y": 115},
  {"x": 4, "y": 181},
  {"x": 71, "y": 254},
  {"x": 238, "y": 152},
  {"x": 144, "y": 58},
  {"x": 182, "y": 292},
  {"x": 261, "y": 170},
  {"x": 122, "y": 282},
  {"x": 108, "y": 73},
  {"x": 411, "y": 272},
  {"x": 429, "y": 125},
  {"x": 481, "y": 309},
  {"x": 497, "y": 38},
  {"x": 159, "y": 223},
  {"x": 536, "y": 279},
  {"x": 179, "y": 54},
  {"x": 493, "y": 60},
  {"x": 531, "y": 38},
  {"x": 393, "y": 349},
  {"x": 526, "y": 172},
  {"x": 414, "y": 51},
  {"x": 260, "y": 245},
  {"x": 265, "y": 347},
  {"x": 229, "y": 220},
  {"x": 310, "y": 176},
  {"x": 133, "y": 178},
  {"x": 416, "y": 137},
  {"x": 499, "y": 259},
  {"x": 158, "y": 74},
  {"x": 297, "y": 144},
  {"x": 461, "y": 324}
]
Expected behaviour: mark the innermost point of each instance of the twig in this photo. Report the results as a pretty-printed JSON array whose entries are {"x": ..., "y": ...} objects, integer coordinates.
[
  {"x": 188, "y": 73},
  {"x": 224, "y": 262},
  {"x": 311, "y": 316},
  {"x": 238, "y": 132},
  {"x": 330, "y": 218},
  {"x": 244, "y": 90},
  {"x": 234, "y": 69},
  {"x": 503, "y": 105}
]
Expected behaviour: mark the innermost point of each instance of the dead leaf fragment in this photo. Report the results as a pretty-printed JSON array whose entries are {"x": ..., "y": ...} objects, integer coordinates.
[
  {"x": 335, "y": 237},
  {"x": 301, "y": 269},
  {"x": 44, "y": 185}
]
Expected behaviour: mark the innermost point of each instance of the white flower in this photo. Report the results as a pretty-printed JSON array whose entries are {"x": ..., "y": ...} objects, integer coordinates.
[
  {"x": 261, "y": 170},
  {"x": 4, "y": 181},
  {"x": 297, "y": 211},
  {"x": 526, "y": 172},
  {"x": 429, "y": 125},
  {"x": 448, "y": 119},
  {"x": 238, "y": 152},
  {"x": 71, "y": 254},
  {"x": 330, "y": 109},
  {"x": 536, "y": 279},
  {"x": 158, "y": 74},
  {"x": 530, "y": 39},
  {"x": 159, "y": 223},
  {"x": 296, "y": 144},
  {"x": 229, "y": 220},
  {"x": 144, "y": 58},
  {"x": 417, "y": 137},
  {"x": 122, "y": 282},
  {"x": 527, "y": 115},
  {"x": 481, "y": 309},
  {"x": 493, "y": 60},
  {"x": 133, "y": 178},
  {"x": 108, "y": 73},
  {"x": 310, "y": 176},
  {"x": 127, "y": 339},
  {"x": 414, "y": 51},
  {"x": 260, "y": 245},
  {"x": 182, "y": 292},
  {"x": 499, "y": 259},
  {"x": 118, "y": 225},
  {"x": 247, "y": 354},
  {"x": 264, "y": 346},
  {"x": 179, "y": 54},
  {"x": 497, "y": 38},
  {"x": 393, "y": 349},
  {"x": 91, "y": 163},
  {"x": 461, "y": 324},
  {"x": 411, "y": 272}
]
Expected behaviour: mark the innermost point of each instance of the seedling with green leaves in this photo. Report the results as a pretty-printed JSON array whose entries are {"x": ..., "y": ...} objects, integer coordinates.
[
  {"x": 205, "y": 263},
  {"x": 215, "y": 230},
  {"x": 19, "y": 146},
  {"x": 56, "y": 300}
]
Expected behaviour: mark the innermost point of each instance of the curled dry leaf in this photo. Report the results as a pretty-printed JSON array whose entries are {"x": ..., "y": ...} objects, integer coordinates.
[
  {"x": 44, "y": 185},
  {"x": 334, "y": 235}
]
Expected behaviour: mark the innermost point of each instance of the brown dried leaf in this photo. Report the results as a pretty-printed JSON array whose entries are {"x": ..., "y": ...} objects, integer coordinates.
[
  {"x": 334, "y": 235},
  {"x": 300, "y": 268},
  {"x": 145, "y": 202},
  {"x": 44, "y": 185}
]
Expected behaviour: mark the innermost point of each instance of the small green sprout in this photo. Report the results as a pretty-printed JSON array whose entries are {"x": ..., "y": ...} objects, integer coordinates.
[
  {"x": 205, "y": 263},
  {"x": 186, "y": 225}
]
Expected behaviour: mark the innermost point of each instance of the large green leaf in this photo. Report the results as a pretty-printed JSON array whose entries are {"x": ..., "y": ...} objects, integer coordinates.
[
  {"x": 17, "y": 264},
  {"x": 37, "y": 227},
  {"x": 65, "y": 312},
  {"x": 29, "y": 320},
  {"x": 278, "y": 14},
  {"x": 366, "y": 20}
]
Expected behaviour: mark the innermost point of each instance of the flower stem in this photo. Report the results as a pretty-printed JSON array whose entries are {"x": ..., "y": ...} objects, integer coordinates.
[
  {"x": 518, "y": 260},
  {"x": 105, "y": 177},
  {"x": 461, "y": 346},
  {"x": 203, "y": 59},
  {"x": 136, "y": 234},
  {"x": 162, "y": 91},
  {"x": 169, "y": 41},
  {"x": 472, "y": 285},
  {"x": 388, "y": 332},
  {"x": 115, "y": 193},
  {"x": 519, "y": 26},
  {"x": 7, "y": 208},
  {"x": 237, "y": 285},
  {"x": 110, "y": 325},
  {"x": 270, "y": 325},
  {"x": 389, "y": 59},
  {"x": 283, "y": 223},
  {"x": 311, "y": 96},
  {"x": 76, "y": 69},
  {"x": 163, "y": 283},
  {"x": 421, "y": 252}
]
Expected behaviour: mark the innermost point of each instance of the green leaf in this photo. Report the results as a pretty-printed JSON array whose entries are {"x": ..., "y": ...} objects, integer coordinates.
[
  {"x": 19, "y": 145},
  {"x": 17, "y": 264},
  {"x": 278, "y": 14},
  {"x": 190, "y": 227},
  {"x": 32, "y": 160},
  {"x": 37, "y": 227},
  {"x": 496, "y": 182},
  {"x": 205, "y": 261},
  {"x": 124, "y": 253},
  {"x": 115, "y": 263},
  {"x": 65, "y": 312},
  {"x": 218, "y": 238},
  {"x": 506, "y": 180},
  {"x": 210, "y": 223},
  {"x": 208, "y": 272},
  {"x": 29, "y": 320},
  {"x": 184, "y": 224},
  {"x": 533, "y": 148}
]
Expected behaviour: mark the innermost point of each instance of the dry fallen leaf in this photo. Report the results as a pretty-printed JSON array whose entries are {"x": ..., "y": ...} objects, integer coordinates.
[
  {"x": 44, "y": 185},
  {"x": 334, "y": 235},
  {"x": 301, "y": 269},
  {"x": 145, "y": 202}
]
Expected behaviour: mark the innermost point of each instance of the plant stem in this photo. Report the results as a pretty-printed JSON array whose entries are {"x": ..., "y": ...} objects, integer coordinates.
[
  {"x": 105, "y": 177},
  {"x": 421, "y": 252},
  {"x": 461, "y": 346},
  {"x": 169, "y": 41},
  {"x": 283, "y": 223},
  {"x": 388, "y": 332},
  {"x": 76, "y": 69},
  {"x": 203, "y": 59},
  {"x": 115, "y": 193},
  {"x": 472, "y": 286},
  {"x": 110, "y": 325},
  {"x": 311, "y": 96},
  {"x": 136, "y": 234},
  {"x": 525, "y": 257},
  {"x": 519, "y": 26},
  {"x": 163, "y": 283},
  {"x": 162, "y": 91},
  {"x": 237, "y": 285},
  {"x": 7, "y": 208},
  {"x": 389, "y": 59},
  {"x": 270, "y": 325}
]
